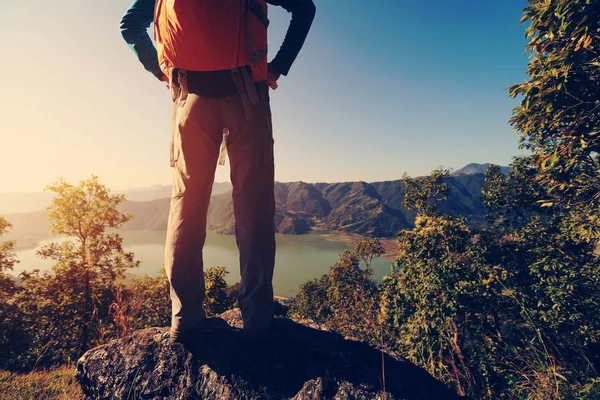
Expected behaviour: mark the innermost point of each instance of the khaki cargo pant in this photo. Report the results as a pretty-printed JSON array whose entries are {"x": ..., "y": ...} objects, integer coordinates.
[{"x": 196, "y": 146}]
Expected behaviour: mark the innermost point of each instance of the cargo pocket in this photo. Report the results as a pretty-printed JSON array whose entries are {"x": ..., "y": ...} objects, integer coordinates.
[
  {"x": 175, "y": 141},
  {"x": 177, "y": 146},
  {"x": 179, "y": 95}
]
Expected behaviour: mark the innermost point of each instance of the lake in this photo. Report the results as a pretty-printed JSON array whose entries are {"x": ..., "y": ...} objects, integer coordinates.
[{"x": 299, "y": 257}]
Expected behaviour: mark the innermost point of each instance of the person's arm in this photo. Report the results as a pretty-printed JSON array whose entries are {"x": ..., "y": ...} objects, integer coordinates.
[
  {"x": 134, "y": 29},
  {"x": 303, "y": 13}
]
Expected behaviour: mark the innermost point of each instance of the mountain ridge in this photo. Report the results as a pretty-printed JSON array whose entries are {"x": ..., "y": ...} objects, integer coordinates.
[
  {"x": 368, "y": 209},
  {"x": 28, "y": 202},
  {"x": 25, "y": 202}
]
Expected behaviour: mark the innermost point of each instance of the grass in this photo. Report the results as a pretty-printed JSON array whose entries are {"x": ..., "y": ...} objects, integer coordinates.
[{"x": 57, "y": 383}]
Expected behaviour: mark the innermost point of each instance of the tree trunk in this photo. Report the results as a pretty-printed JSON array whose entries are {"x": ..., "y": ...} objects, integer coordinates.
[{"x": 87, "y": 302}]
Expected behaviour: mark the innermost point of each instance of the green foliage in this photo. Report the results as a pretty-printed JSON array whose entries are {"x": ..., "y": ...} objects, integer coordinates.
[
  {"x": 512, "y": 308},
  {"x": 590, "y": 390},
  {"x": 218, "y": 298},
  {"x": 553, "y": 277},
  {"x": 346, "y": 299},
  {"x": 311, "y": 301},
  {"x": 423, "y": 195},
  {"x": 85, "y": 299},
  {"x": 440, "y": 303},
  {"x": 66, "y": 310},
  {"x": 521, "y": 298},
  {"x": 53, "y": 313},
  {"x": 368, "y": 249},
  {"x": 553, "y": 270},
  {"x": 511, "y": 199},
  {"x": 91, "y": 265},
  {"x": 558, "y": 116},
  {"x": 143, "y": 303},
  {"x": 12, "y": 344},
  {"x": 7, "y": 253},
  {"x": 84, "y": 211}
]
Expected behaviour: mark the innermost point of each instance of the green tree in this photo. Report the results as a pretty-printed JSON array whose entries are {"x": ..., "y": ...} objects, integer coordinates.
[
  {"x": 553, "y": 194},
  {"x": 69, "y": 306},
  {"x": 558, "y": 117},
  {"x": 368, "y": 249},
  {"x": 311, "y": 301},
  {"x": 424, "y": 194},
  {"x": 12, "y": 340},
  {"x": 144, "y": 302},
  {"x": 8, "y": 257},
  {"x": 347, "y": 298},
  {"x": 440, "y": 303},
  {"x": 218, "y": 298},
  {"x": 511, "y": 200},
  {"x": 552, "y": 275},
  {"x": 8, "y": 260}
]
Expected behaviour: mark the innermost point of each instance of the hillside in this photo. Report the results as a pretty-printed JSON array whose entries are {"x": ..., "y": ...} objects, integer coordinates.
[
  {"x": 14, "y": 203},
  {"x": 373, "y": 209}
]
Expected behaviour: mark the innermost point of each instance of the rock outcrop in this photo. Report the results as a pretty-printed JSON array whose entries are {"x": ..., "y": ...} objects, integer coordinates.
[{"x": 299, "y": 362}]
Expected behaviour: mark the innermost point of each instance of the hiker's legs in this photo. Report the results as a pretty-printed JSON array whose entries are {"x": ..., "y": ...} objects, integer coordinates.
[
  {"x": 252, "y": 175},
  {"x": 195, "y": 151}
]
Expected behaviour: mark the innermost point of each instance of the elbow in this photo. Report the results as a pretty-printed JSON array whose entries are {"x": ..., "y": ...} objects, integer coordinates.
[
  {"x": 128, "y": 32},
  {"x": 306, "y": 9},
  {"x": 311, "y": 9},
  {"x": 124, "y": 28}
]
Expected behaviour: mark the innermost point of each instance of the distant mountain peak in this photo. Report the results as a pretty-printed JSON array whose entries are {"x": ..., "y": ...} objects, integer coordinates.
[{"x": 475, "y": 168}]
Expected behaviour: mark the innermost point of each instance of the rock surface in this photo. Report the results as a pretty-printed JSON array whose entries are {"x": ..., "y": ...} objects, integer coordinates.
[{"x": 299, "y": 362}]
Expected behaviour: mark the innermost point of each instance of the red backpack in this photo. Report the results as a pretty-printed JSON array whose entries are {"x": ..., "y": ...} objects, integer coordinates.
[{"x": 212, "y": 35}]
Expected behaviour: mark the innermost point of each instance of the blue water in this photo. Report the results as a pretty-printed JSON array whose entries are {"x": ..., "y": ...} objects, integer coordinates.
[{"x": 299, "y": 258}]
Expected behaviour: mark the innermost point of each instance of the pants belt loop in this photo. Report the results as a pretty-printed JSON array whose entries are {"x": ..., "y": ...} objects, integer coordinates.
[{"x": 182, "y": 78}]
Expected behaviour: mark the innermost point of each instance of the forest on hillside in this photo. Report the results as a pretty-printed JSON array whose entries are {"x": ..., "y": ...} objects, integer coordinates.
[{"x": 370, "y": 209}]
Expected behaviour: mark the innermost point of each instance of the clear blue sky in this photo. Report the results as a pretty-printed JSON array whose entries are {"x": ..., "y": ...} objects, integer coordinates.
[{"x": 382, "y": 87}]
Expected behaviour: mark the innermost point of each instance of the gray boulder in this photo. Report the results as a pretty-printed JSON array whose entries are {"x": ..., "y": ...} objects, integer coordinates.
[{"x": 300, "y": 362}]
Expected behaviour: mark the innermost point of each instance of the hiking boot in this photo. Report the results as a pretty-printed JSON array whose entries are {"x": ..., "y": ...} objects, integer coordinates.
[{"x": 190, "y": 339}]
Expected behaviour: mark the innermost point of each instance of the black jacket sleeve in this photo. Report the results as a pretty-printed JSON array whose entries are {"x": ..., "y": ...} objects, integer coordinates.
[
  {"x": 134, "y": 25},
  {"x": 303, "y": 13}
]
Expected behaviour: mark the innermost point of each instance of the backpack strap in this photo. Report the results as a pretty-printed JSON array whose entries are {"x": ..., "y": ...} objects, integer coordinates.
[
  {"x": 179, "y": 93},
  {"x": 246, "y": 89},
  {"x": 257, "y": 10}
]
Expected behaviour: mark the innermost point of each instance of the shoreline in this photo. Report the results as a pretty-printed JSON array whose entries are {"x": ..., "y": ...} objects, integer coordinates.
[
  {"x": 389, "y": 243},
  {"x": 349, "y": 238}
]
